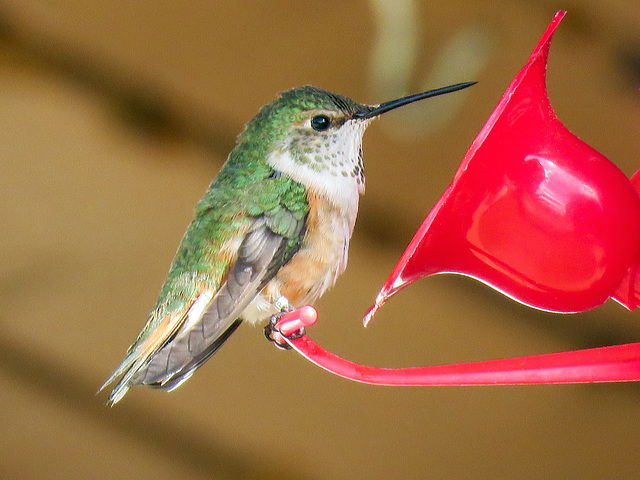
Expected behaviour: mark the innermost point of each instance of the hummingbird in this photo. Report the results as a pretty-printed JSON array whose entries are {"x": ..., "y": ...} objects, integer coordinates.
[{"x": 271, "y": 232}]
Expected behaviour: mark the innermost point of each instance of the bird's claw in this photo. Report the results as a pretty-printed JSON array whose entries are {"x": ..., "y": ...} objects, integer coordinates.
[{"x": 274, "y": 335}]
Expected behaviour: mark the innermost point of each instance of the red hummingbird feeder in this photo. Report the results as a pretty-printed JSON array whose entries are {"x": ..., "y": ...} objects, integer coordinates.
[{"x": 535, "y": 213}]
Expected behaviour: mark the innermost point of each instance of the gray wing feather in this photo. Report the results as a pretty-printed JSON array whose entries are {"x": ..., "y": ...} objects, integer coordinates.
[{"x": 261, "y": 255}]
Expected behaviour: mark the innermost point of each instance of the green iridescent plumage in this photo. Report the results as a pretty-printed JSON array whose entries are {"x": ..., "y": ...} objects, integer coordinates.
[
  {"x": 253, "y": 209},
  {"x": 248, "y": 187},
  {"x": 245, "y": 189}
]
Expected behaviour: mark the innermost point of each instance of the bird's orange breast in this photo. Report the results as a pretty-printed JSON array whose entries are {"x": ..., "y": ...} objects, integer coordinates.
[{"x": 322, "y": 256}]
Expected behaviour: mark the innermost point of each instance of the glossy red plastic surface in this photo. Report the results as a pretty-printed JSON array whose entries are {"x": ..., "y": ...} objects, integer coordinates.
[
  {"x": 532, "y": 211},
  {"x": 296, "y": 320},
  {"x": 605, "y": 364}
]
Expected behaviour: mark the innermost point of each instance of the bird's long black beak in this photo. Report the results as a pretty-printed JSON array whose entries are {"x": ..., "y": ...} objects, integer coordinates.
[{"x": 387, "y": 106}]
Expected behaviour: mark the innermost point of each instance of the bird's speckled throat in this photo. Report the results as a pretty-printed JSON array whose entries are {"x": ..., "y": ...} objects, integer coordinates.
[
  {"x": 329, "y": 164},
  {"x": 329, "y": 161}
]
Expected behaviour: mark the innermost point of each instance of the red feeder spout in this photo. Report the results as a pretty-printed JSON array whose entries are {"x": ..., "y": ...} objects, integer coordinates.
[{"x": 532, "y": 211}]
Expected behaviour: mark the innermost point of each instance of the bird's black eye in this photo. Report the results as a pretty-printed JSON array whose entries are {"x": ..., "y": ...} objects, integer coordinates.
[{"x": 320, "y": 123}]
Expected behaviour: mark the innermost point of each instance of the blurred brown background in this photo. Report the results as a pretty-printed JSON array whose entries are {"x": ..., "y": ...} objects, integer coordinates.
[{"x": 114, "y": 117}]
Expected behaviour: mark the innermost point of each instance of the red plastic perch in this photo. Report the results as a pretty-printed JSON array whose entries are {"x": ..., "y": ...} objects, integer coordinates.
[{"x": 617, "y": 363}]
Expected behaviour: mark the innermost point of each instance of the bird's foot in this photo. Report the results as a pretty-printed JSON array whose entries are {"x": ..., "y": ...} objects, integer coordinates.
[
  {"x": 271, "y": 331},
  {"x": 273, "y": 335}
]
